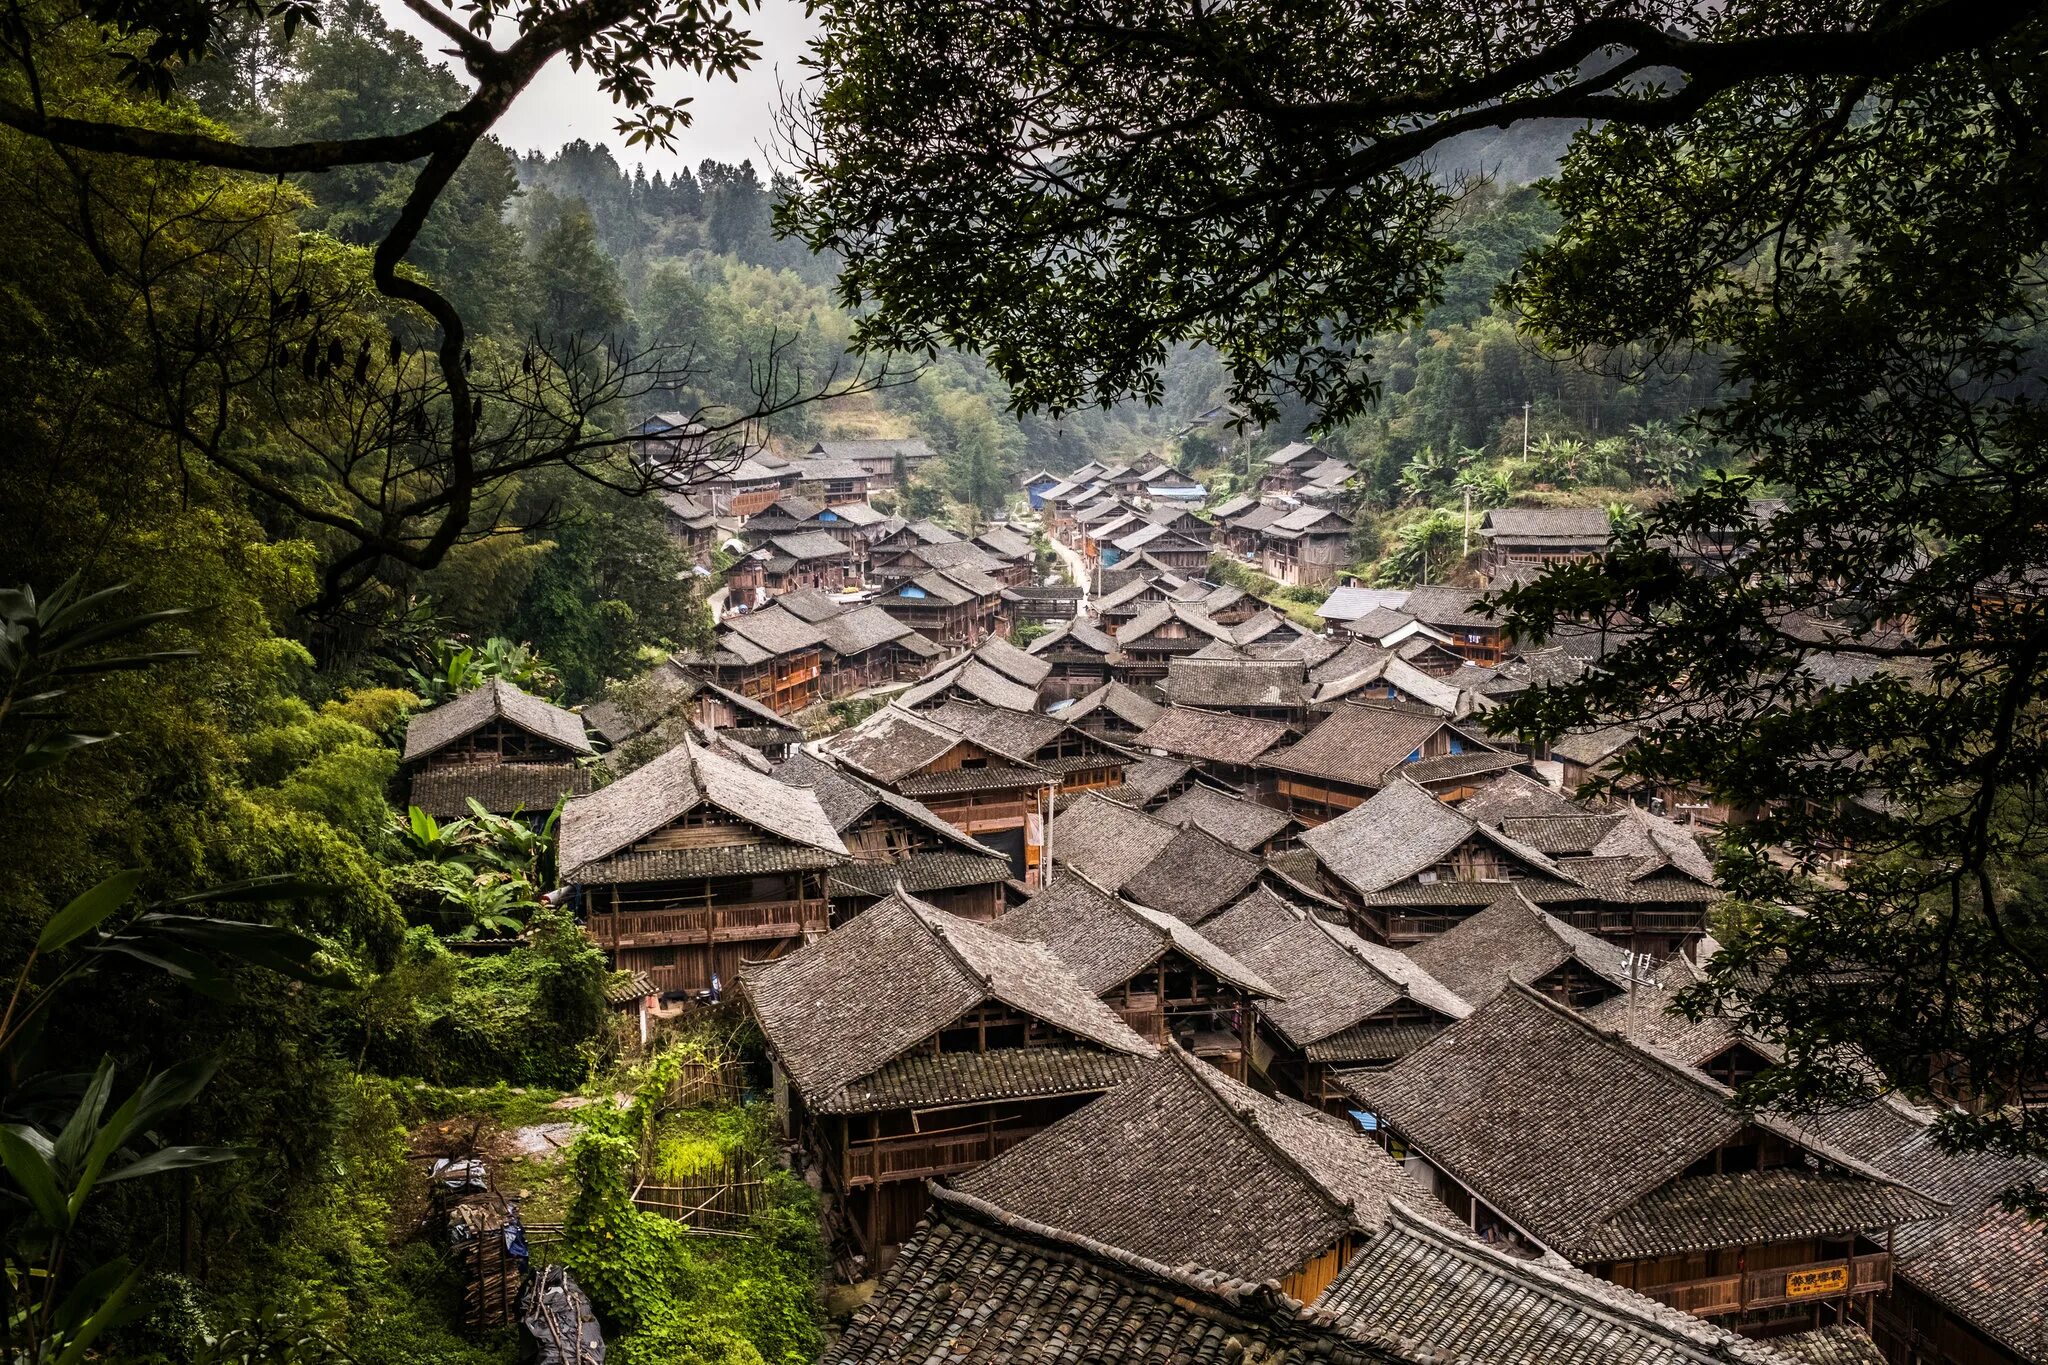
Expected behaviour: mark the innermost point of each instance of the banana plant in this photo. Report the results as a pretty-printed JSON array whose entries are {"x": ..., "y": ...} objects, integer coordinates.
[
  {"x": 512, "y": 844},
  {"x": 43, "y": 644},
  {"x": 430, "y": 840}
]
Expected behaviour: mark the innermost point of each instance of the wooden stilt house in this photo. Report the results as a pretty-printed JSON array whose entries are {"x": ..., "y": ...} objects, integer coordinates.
[
  {"x": 504, "y": 748},
  {"x": 694, "y": 863}
]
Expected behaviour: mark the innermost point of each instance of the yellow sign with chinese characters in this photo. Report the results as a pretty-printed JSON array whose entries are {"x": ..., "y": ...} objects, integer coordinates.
[{"x": 1807, "y": 1284}]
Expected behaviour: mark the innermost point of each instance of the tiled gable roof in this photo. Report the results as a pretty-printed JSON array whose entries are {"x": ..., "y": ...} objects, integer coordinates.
[
  {"x": 1242, "y": 824},
  {"x": 1123, "y": 702},
  {"x": 1357, "y": 744},
  {"x": 611, "y": 819},
  {"x": 1464, "y": 1300},
  {"x": 844, "y": 1007},
  {"x": 891, "y": 745},
  {"x": 1494, "y": 1099},
  {"x": 1214, "y": 736},
  {"x": 1237, "y": 682},
  {"x": 1105, "y": 841},
  {"x": 1402, "y": 831},
  {"x": 1525, "y": 524},
  {"x": 773, "y": 629},
  {"x": 1147, "y": 780},
  {"x": 438, "y": 727},
  {"x": 1329, "y": 979},
  {"x": 1073, "y": 633},
  {"x": 1105, "y": 940},
  {"x": 861, "y": 629},
  {"x": 1182, "y": 1165},
  {"x": 1193, "y": 876},
  {"x": 1012, "y": 662},
  {"x": 977, "y": 1286},
  {"x": 1512, "y": 940},
  {"x": 972, "y": 678}
]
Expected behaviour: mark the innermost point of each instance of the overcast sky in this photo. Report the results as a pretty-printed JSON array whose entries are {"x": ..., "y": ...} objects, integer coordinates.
[{"x": 731, "y": 121}]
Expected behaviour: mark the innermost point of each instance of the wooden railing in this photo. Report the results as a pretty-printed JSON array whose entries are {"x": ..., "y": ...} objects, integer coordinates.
[
  {"x": 1871, "y": 1274},
  {"x": 721, "y": 924},
  {"x": 918, "y": 1155}
]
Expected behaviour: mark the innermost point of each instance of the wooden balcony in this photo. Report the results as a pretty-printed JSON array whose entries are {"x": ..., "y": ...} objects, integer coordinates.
[
  {"x": 1871, "y": 1274},
  {"x": 919, "y": 1156},
  {"x": 717, "y": 924}
]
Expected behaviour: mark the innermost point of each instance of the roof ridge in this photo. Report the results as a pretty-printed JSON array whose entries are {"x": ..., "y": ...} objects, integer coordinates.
[
  {"x": 919, "y": 909},
  {"x": 1244, "y": 1118}
]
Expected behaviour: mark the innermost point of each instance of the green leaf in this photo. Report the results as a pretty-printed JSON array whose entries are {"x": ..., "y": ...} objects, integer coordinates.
[
  {"x": 97, "y": 1302},
  {"x": 32, "y": 1172},
  {"x": 72, "y": 1144},
  {"x": 165, "y": 1159},
  {"x": 85, "y": 913}
]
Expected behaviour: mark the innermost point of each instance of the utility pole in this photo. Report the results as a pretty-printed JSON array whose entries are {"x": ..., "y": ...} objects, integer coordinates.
[
  {"x": 1465, "y": 546},
  {"x": 1525, "y": 428}
]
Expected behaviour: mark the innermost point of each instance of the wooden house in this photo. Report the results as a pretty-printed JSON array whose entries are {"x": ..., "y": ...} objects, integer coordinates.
[
  {"x": 1114, "y": 609},
  {"x": 1152, "y": 639},
  {"x": 808, "y": 559},
  {"x": 1113, "y": 712},
  {"x": 1342, "y": 1001},
  {"x": 910, "y": 1043},
  {"x": 1306, "y": 548},
  {"x": 695, "y": 862},
  {"x": 1226, "y": 747},
  {"x": 1362, "y": 748},
  {"x": 1210, "y": 1173},
  {"x": 771, "y": 656},
  {"x": 879, "y": 458},
  {"x": 956, "y": 607},
  {"x": 1035, "y": 485},
  {"x": 1046, "y": 604},
  {"x": 964, "y": 677},
  {"x": 994, "y": 797},
  {"x": 505, "y": 749},
  {"x": 1078, "y": 656},
  {"x": 1521, "y": 539},
  {"x": 1151, "y": 782},
  {"x": 1286, "y": 469},
  {"x": 1476, "y": 637},
  {"x": 786, "y": 515},
  {"x": 1160, "y": 975},
  {"x": 895, "y": 842},
  {"x": 1243, "y": 533},
  {"x": 1166, "y": 547},
  {"x": 692, "y": 523},
  {"x": 900, "y": 540},
  {"x": 673, "y": 690},
  {"x": 833, "y": 481},
  {"x": 1080, "y": 761},
  {"x": 1638, "y": 1169},
  {"x": 866, "y": 647},
  {"x": 893, "y": 563}
]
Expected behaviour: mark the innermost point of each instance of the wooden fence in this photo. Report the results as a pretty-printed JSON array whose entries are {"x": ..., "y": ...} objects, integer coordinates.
[
  {"x": 721, "y": 1201},
  {"x": 491, "y": 1278}
]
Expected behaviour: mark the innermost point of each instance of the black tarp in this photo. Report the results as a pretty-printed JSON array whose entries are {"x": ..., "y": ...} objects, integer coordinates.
[{"x": 559, "y": 1320}]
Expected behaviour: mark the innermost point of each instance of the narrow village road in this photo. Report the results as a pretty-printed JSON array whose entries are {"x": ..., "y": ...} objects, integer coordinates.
[{"x": 1077, "y": 567}]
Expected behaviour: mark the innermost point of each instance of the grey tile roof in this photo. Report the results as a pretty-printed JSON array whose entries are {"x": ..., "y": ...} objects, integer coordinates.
[
  {"x": 501, "y": 788},
  {"x": 1184, "y": 1166},
  {"x": 1071, "y": 634},
  {"x": 1514, "y": 940},
  {"x": 1148, "y": 779},
  {"x": 910, "y": 447},
  {"x": 1358, "y": 745},
  {"x": 890, "y": 745},
  {"x": 1106, "y": 842},
  {"x": 1745, "y": 1207},
  {"x": 1844, "y": 1343},
  {"x": 1590, "y": 748},
  {"x": 1224, "y": 684},
  {"x": 954, "y": 1078},
  {"x": 1017, "y": 735},
  {"x": 773, "y": 629},
  {"x": 1213, "y": 736},
  {"x": 1558, "y": 835},
  {"x": 1465, "y": 1301},
  {"x": 1657, "y": 844},
  {"x": 1402, "y": 831},
  {"x": 1125, "y": 703},
  {"x": 1193, "y": 876},
  {"x": 1447, "y": 607},
  {"x": 726, "y": 860},
  {"x": 1106, "y": 940},
  {"x": 847, "y": 799},
  {"x": 980, "y": 1287},
  {"x": 839, "y": 1010},
  {"x": 1986, "y": 1264},
  {"x": 1012, "y": 662},
  {"x": 970, "y": 677},
  {"x": 1495, "y": 1098},
  {"x": 1537, "y": 524},
  {"x": 1452, "y": 767},
  {"x": 861, "y": 629},
  {"x": 1329, "y": 979},
  {"x": 810, "y": 604},
  {"x": 438, "y": 727},
  {"x": 1242, "y": 824},
  {"x": 687, "y": 776}
]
